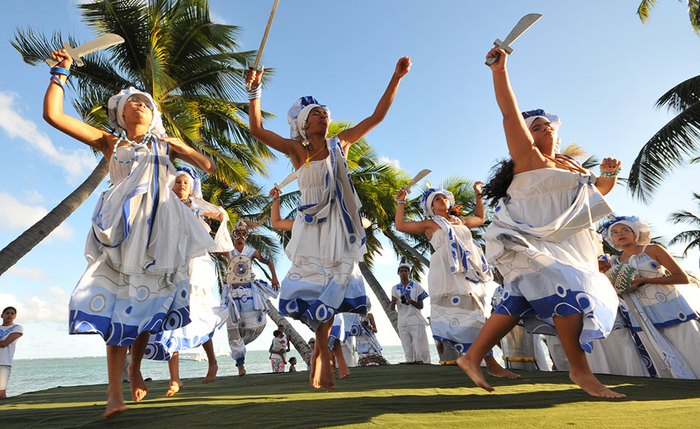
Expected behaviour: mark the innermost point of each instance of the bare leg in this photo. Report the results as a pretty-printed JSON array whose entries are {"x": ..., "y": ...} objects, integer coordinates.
[
  {"x": 211, "y": 358},
  {"x": 495, "y": 369},
  {"x": 569, "y": 330},
  {"x": 314, "y": 363},
  {"x": 343, "y": 370},
  {"x": 116, "y": 356},
  {"x": 241, "y": 370},
  {"x": 323, "y": 373},
  {"x": 496, "y": 327},
  {"x": 174, "y": 368},
  {"x": 138, "y": 386}
]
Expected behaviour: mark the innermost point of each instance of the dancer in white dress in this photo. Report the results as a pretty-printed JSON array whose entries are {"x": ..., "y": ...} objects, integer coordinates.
[
  {"x": 142, "y": 236},
  {"x": 542, "y": 242},
  {"x": 205, "y": 312},
  {"x": 328, "y": 237},
  {"x": 458, "y": 270},
  {"x": 664, "y": 307}
]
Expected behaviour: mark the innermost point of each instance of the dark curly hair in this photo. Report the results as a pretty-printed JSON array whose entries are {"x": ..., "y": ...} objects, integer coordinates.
[{"x": 501, "y": 177}]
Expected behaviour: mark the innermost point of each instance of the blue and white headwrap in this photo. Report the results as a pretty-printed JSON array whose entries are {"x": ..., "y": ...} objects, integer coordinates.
[
  {"x": 196, "y": 181},
  {"x": 642, "y": 233},
  {"x": 299, "y": 113},
  {"x": 115, "y": 112},
  {"x": 429, "y": 195},
  {"x": 531, "y": 115}
]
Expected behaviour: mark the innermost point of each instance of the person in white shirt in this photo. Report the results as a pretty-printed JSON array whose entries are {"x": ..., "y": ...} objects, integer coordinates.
[
  {"x": 407, "y": 298},
  {"x": 9, "y": 334}
]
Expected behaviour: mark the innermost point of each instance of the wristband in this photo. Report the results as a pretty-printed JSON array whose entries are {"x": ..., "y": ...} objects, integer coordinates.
[
  {"x": 610, "y": 174},
  {"x": 60, "y": 70},
  {"x": 55, "y": 79},
  {"x": 255, "y": 93},
  {"x": 400, "y": 201}
]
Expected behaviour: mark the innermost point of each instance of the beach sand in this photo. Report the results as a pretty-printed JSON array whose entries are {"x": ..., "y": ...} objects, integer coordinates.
[{"x": 397, "y": 396}]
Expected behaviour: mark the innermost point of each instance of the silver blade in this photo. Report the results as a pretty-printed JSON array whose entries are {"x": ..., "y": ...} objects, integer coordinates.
[
  {"x": 101, "y": 42},
  {"x": 287, "y": 180},
  {"x": 421, "y": 174},
  {"x": 521, "y": 27}
]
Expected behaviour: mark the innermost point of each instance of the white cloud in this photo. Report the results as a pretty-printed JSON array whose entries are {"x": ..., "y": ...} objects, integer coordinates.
[
  {"x": 51, "y": 306},
  {"x": 19, "y": 216},
  {"x": 76, "y": 163},
  {"x": 28, "y": 273},
  {"x": 393, "y": 162}
]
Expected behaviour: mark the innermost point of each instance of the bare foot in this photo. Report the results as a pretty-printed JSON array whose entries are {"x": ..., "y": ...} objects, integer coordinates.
[
  {"x": 138, "y": 386},
  {"x": 115, "y": 405},
  {"x": 591, "y": 385},
  {"x": 211, "y": 373},
  {"x": 495, "y": 369},
  {"x": 473, "y": 371},
  {"x": 326, "y": 374},
  {"x": 241, "y": 371},
  {"x": 175, "y": 387},
  {"x": 343, "y": 373}
]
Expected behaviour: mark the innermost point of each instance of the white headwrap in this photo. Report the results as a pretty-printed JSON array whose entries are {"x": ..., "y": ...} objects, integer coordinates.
[
  {"x": 428, "y": 197},
  {"x": 115, "y": 112},
  {"x": 404, "y": 265},
  {"x": 299, "y": 113},
  {"x": 642, "y": 233},
  {"x": 196, "y": 191}
]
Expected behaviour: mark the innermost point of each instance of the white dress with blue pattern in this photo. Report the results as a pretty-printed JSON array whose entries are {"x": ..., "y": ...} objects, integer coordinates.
[
  {"x": 457, "y": 290},
  {"x": 543, "y": 242},
  {"x": 327, "y": 242},
  {"x": 138, "y": 251},
  {"x": 673, "y": 310}
]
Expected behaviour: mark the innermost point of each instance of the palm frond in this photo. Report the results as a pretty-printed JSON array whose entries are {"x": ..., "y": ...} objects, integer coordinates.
[
  {"x": 644, "y": 8},
  {"x": 681, "y": 97}
]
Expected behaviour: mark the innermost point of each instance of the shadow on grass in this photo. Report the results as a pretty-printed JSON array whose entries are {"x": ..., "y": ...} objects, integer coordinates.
[{"x": 413, "y": 395}]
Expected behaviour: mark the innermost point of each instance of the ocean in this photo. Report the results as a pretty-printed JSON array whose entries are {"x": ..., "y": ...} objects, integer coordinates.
[{"x": 29, "y": 375}]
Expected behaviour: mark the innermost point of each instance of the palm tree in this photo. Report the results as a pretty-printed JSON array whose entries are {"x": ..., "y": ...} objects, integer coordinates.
[
  {"x": 672, "y": 145},
  {"x": 692, "y": 237},
  {"x": 191, "y": 66},
  {"x": 693, "y": 12}
]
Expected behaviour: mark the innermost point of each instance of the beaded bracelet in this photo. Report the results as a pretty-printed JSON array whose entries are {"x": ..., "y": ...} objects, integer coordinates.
[
  {"x": 60, "y": 70},
  {"x": 255, "y": 93},
  {"x": 400, "y": 201},
  {"x": 610, "y": 174},
  {"x": 55, "y": 79}
]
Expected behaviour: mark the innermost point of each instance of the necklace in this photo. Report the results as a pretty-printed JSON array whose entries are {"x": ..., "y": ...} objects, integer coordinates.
[
  {"x": 566, "y": 164},
  {"x": 186, "y": 201},
  {"x": 308, "y": 157},
  {"x": 122, "y": 137}
]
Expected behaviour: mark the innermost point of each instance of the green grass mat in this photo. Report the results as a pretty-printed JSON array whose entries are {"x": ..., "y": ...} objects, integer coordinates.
[{"x": 397, "y": 396}]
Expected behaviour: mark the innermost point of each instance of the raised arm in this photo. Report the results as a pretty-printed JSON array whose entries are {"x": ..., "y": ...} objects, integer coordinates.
[
  {"x": 479, "y": 211},
  {"x": 269, "y": 138},
  {"x": 351, "y": 135},
  {"x": 425, "y": 226},
  {"x": 520, "y": 142},
  {"x": 609, "y": 169},
  {"x": 54, "y": 115},
  {"x": 275, "y": 217}
]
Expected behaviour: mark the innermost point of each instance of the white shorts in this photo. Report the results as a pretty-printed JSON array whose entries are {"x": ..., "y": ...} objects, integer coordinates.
[{"x": 4, "y": 376}]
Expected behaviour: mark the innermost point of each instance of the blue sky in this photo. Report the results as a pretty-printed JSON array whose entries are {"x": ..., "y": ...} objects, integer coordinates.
[{"x": 594, "y": 63}]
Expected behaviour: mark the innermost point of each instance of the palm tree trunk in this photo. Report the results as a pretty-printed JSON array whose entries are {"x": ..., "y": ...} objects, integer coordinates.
[
  {"x": 381, "y": 295},
  {"x": 407, "y": 247},
  {"x": 297, "y": 340},
  {"x": 23, "y": 244}
]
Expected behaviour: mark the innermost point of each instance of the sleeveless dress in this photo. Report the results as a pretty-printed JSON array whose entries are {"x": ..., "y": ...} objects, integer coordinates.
[
  {"x": 138, "y": 251},
  {"x": 667, "y": 318},
  {"x": 458, "y": 271},
  {"x": 247, "y": 310},
  {"x": 542, "y": 240},
  {"x": 327, "y": 242},
  {"x": 206, "y": 313}
]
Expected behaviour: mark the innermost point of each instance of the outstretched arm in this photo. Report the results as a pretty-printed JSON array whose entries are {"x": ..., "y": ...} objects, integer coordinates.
[
  {"x": 518, "y": 137},
  {"x": 351, "y": 135},
  {"x": 424, "y": 226},
  {"x": 479, "y": 211},
  {"x": 54, "y": 115},
  {"x": 269, "y": 138},
  {"x": 188, "y": 154}
]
